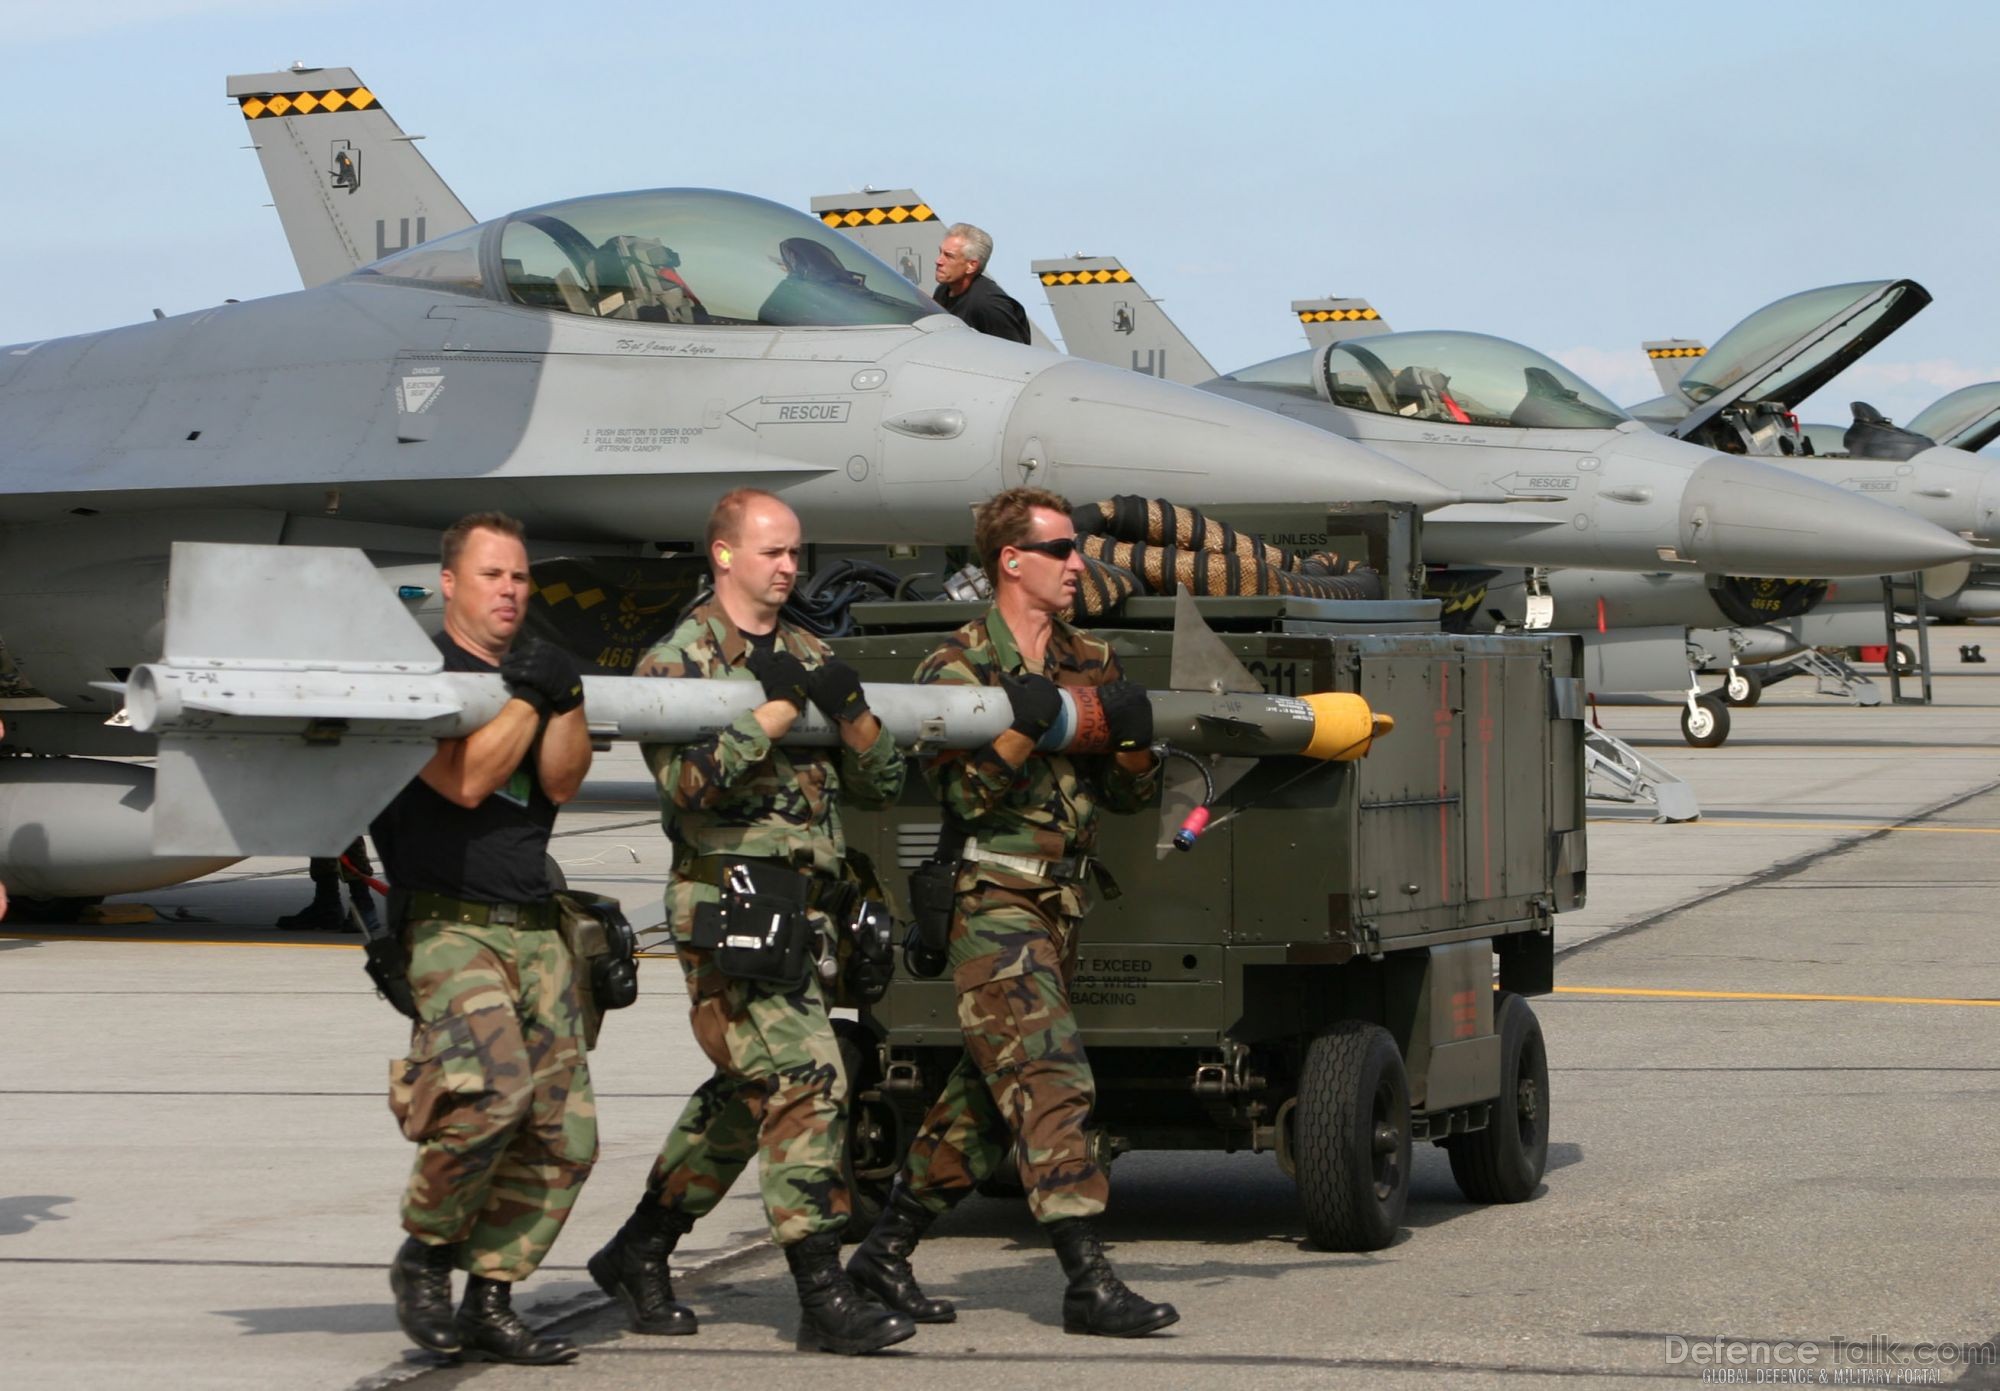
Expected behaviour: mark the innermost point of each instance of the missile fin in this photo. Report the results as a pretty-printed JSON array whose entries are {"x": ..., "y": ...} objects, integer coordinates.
[{"x": 254, "y": 795}]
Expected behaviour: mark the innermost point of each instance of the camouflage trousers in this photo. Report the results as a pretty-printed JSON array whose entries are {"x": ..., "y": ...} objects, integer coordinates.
[
  {"x": 1023, "y": 1078},
  {"x": 496, "y": 1093},
  {"x": 778, "y": 1095}
]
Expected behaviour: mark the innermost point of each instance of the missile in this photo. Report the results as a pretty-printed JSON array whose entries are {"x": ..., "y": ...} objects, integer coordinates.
[{"x": 291, "y": 667}]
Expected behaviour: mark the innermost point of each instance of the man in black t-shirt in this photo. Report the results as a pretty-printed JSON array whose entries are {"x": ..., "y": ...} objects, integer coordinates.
[
  {"x": 495, "y": 1090},
  {"x": 964, "y": 290}
]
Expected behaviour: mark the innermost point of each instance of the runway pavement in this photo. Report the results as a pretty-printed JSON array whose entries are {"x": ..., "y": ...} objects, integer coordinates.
[{"x": 199, "y": 1177}]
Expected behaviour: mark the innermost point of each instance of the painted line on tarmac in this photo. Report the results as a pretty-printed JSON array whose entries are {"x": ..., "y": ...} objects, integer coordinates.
[
  {"x": 1784, "y": 869},
  {"x": 1809, "y": 826},
  {"x": 1775, "y": 995}
]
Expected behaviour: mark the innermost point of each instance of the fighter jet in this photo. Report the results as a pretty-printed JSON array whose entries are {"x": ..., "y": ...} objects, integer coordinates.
[
  {"x": 1652, "y": 628},
  {"x": 1597, "y": 488},
  {"x": 603, "y": 367}
]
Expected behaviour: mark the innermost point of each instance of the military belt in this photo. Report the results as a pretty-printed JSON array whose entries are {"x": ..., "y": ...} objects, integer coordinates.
[
  {"x": 1071, "y": 868},
  {"x": 441, "y": 908},
  {"x": 814, "y": 890}
]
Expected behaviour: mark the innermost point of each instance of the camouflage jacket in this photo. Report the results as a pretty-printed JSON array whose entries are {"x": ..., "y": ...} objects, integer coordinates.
[
  {"x": 1047, "y": 808},
  {"x": 735, "y": 792}
]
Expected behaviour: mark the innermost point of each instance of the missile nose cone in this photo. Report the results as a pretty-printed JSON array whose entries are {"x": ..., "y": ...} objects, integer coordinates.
[
  {"x": 1740, "y": 516},
  {"x": 1088, "y": 430}
]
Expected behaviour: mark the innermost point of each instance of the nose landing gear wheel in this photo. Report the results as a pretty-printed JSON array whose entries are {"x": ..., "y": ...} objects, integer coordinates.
[
  {"x": 1743, "y": 688},
  {"x": 1706, "y": 725}
]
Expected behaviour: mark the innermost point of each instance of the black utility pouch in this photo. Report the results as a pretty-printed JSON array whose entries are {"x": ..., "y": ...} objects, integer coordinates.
[
  {"x": 933, "y": 894},
  {"x": 754, "y": 933},
  {"x": 871, "y": 963}
]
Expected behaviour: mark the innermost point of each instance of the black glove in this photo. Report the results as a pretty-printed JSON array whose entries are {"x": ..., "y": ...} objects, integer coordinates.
[
  {"x": 835, "y": 688},
  {"x": 543, "y": 675},
  {"x": 784, "y": 676},
  {"x": 1035, "y": 702},
  {"x": 1128, "y": 713}
]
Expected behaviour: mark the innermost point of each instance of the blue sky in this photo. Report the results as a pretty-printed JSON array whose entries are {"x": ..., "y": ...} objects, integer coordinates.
[{"x": 1575, "y": 176}]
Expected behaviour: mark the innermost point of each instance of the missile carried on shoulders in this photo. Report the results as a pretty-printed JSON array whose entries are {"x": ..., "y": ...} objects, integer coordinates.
[{"x": 296, "y": 696}]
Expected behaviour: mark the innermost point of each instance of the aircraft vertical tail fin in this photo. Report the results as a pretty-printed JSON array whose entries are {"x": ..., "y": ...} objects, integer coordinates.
[
  {"x": 897, "y": 226},
  {"x": 1671, "y": 358},
  {"x": 1105, "y": 316},
  {"x": 1331, "y": 319},
  {"x": 349, "y": 186}
]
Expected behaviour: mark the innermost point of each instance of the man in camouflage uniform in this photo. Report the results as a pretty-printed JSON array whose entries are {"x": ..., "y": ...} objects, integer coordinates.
[
  {"x": 495, "y": 1090},
  {"x": 1029, "y": 820},
  {"x": 778, "y": 1093}
]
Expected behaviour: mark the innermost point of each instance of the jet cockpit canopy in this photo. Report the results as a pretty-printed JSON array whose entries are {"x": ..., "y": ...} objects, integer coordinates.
[
  {"x": 1446, "y": 377},
  {"x": 1791, "y": 347},
  {"x": 1968, "y": 418},
  {"x": 666, "y": 256}
]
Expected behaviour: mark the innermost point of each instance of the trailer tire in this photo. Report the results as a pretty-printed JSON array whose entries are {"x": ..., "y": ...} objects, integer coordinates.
[
  {"x": 1504, "y": 1162},
  {"x": 1351, "y": 1142}
]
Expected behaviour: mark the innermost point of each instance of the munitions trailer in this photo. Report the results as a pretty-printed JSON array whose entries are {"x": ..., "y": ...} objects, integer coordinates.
[{"x": 1340, "y": 967}]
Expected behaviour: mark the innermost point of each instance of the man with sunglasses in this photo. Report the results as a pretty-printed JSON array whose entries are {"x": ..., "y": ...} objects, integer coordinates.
[{"x": 1026, "y": 822}]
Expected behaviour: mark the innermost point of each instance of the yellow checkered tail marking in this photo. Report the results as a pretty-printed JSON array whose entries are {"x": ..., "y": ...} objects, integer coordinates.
[
  {"x": 838, "y": 218},
  {"x": 1677, "y": 352},
  {"x": 1086, "y": 277},
  {"x": 319, "y": 103},
  {"x": 1336, "y": 316}
]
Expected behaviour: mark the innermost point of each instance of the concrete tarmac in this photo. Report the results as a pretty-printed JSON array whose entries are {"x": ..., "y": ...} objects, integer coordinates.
[{"x": 200, "y": 1175}]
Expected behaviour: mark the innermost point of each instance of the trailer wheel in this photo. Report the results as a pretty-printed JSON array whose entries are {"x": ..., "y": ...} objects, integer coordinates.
[
  {"x": 1504, "y": 1162},
  {"x": 875, "y": 1141},
  {"x": 1351, "y": 1138},
  {"x": 1706, "y": 726},
  {"x": 1742, "y": 688}
]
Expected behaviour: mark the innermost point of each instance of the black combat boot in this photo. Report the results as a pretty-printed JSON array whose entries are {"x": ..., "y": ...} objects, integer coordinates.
[
  {"x": 632, "y": 1268},
  {"x": 421, "y": 1278},
  {"x": 1097, "y": 1300},
  {"x": 321, "y": 915},
  {"x": 880, "y": 1266},
  {"x": 833, "y": 1315},
  {"x": 491, "y": 1329}
]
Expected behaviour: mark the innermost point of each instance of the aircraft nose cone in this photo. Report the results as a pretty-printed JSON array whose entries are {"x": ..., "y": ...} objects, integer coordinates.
[
  {"x": 1091, "y": 431},
  {"x": 1740, "y": 516}
]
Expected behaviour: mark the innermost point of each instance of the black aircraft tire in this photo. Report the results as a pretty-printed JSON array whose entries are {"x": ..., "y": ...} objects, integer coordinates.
[
  {"x": 1749, "y": 682},
  {"x": 1904, "y": 658},
  {"x": 1707, "y": 727},
  {"x": 52, "y": 912},
  {"x": 1351, "y": 1138},
  {"x": 1504, "y": 1162},
  {"x": 876, "y": 1137}
]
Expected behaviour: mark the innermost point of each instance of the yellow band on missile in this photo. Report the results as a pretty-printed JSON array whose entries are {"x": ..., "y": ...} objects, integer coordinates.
[{"x": 1343, "y": 726}]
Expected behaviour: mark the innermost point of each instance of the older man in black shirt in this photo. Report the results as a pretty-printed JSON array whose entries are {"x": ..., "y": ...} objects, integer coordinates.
[{"x": 964, "y": 290}]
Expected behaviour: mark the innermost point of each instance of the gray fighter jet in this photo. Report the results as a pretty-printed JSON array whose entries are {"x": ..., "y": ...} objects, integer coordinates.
[
  {"x": 1595, "y": 487},
  {"x": 602, "y": 367}
]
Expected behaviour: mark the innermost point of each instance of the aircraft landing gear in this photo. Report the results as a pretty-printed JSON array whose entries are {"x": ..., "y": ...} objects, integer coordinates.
[
  {"x": 1704, "y": 721},
  {"x": 1742, "y": 687}
]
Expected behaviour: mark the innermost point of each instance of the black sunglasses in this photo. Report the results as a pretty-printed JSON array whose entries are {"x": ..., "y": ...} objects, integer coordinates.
[{"x": 1062, "y": 548}]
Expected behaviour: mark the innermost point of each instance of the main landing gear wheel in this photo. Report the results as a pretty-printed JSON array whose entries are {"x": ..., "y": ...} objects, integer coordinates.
[
  {"x": 1905, "y": 658},
  {"x": 1504, "y": 1162},
  {"x": 1351, "y": 1138},
  {"x": 1742, "y": 688},
  {"x": 1706, "y": 725}
]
